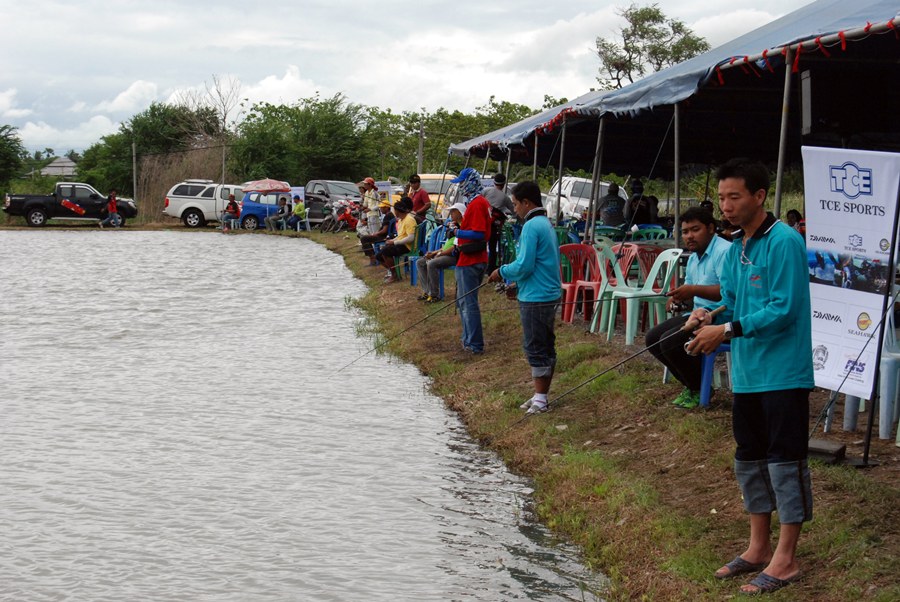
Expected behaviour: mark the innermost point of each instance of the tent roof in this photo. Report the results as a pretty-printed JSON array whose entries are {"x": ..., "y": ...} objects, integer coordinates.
[{"x": 725, "y": 110}]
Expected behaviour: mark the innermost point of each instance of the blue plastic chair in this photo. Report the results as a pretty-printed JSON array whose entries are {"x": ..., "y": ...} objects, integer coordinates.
[
  {"x": 434, "y": 242},
  {"x": 709, "y": 369}
]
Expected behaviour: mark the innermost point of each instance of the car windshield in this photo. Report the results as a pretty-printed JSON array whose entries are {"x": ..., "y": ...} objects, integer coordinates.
[
  {"x": 347, "y": 188},
  {"x": 434, "y": 186},
  {"x": 582, "y": 190}
]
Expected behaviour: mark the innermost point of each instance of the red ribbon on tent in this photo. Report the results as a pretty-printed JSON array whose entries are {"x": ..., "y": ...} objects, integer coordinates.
[
  {"x": 822, "y": 47},
  {"x": 796, "y": 67},
  {"x": 765, "y": 56},
  {"x": 719, "y": 75},
  {"x": 867, "y": 27},
  {"x": 890, "y": 25},
  {"x": 843, "y": 37},
  {"x": 752, "y": 67}
]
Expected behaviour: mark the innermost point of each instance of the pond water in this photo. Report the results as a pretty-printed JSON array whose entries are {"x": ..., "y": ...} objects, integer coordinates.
[{"x": 174, "y": 426}]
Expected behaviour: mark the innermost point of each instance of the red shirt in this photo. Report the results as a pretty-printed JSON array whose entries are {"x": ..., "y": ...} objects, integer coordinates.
[
  {"x": 477, "y": 218},
  {"x": 111, "y": 205},
  {"x": 420, "y": 200}
]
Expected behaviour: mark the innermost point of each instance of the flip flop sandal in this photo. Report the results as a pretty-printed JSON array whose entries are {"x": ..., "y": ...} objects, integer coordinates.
[
  {"x": 767, "y": 584},
  {"x": 739, "y": 566}
]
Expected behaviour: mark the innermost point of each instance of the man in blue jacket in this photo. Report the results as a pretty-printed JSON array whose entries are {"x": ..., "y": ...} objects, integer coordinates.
[
  {"x": 765, "y": 288},
  {"x": 536, "y": 274}
]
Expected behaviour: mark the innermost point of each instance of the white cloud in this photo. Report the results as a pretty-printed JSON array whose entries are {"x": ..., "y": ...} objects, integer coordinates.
[
  {"x": 286, "y": 89},
  {"x": 136, "y": 98},
  {"x": 41, "y": 134},
  {"x": 724, "y": 27},
  {"x": 8, "y": 106},
  {"x": 78, "y": 107}
]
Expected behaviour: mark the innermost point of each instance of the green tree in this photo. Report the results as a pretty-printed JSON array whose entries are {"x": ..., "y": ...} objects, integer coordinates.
[
  {"x": 11, "y": 153},
  {"x": 649, "y": 42},
  {"x": 313, "y": 138}
]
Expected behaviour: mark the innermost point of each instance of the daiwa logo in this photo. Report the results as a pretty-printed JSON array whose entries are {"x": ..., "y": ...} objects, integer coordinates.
[
  {"x": 851, "y": 180},
  {"x": 855, "y": 366},
  {"x": 827, "y": 239},
  {"x": 821, "y": 315}
]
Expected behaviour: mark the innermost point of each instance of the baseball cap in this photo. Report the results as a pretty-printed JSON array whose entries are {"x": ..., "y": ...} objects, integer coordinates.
[
  {"x": 463, "y": 175},
  {"x": 461, "y": 207}
]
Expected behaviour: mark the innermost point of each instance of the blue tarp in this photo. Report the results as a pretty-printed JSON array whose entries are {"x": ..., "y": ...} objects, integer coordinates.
[{"x": 744, "y": 112}]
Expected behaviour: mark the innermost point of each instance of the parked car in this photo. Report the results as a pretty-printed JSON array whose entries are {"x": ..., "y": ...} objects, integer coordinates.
[
  {"x": 320, "y": 192},
  {"x": 196, "y": 202},
  {"x": 257, "y": 206},
  {"x": 452, "y": 195},
  {"x": 69, "y": 201},
  {"x": 436, "y": 185},
  {"x": 575, "y": 198}
]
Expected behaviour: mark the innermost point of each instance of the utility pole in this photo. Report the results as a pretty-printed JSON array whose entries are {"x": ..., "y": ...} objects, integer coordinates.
[
  {"x": 134, "y": 168},
  {"x": 420, "y": 160}
]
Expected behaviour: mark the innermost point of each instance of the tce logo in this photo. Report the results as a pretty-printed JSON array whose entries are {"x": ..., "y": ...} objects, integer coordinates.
[
  {"x": 855, "y": 366},
  {"x": 851, "y": 180}
]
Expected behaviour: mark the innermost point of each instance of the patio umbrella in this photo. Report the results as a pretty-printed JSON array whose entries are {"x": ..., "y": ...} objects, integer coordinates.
[{"x": 266, "y": 185}]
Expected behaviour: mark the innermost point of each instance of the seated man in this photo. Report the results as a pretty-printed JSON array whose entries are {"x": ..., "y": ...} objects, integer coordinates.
[
  {"x": 272, "y": 220},
  {"x": 700, "y": 289},
  {"x": 429, "y": 266},
  {"x": 367, "y": 240},
  {"x": 400, "y": 244},
  {"x": 232, "y": 213},
  {"x": 298, "y": 214}
]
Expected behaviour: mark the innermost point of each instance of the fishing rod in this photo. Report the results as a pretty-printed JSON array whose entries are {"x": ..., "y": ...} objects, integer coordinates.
[
  {"x": 408, "y": 328},
  {"x": 689, "y": 325}
]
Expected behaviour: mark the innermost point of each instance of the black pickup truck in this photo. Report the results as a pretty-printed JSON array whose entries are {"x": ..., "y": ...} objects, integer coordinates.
[{"x": 70, "y": 201}]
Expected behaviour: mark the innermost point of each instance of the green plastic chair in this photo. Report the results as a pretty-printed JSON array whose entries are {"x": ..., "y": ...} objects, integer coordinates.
[
  {"x": 610, "y": 232},
  {"x": 659, "y": 282},
  {"x": 650, "y": 234},
  {"x": 605, "y": 282}
]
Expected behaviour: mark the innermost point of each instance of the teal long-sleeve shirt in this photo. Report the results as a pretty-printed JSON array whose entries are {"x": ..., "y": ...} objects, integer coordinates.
[
  {"x": 536, "y": 268},
  {"x": 765, "y": 289}
]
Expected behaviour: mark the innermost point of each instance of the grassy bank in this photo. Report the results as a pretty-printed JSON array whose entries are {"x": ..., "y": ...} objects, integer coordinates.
[{"x": 645, "y": 489}]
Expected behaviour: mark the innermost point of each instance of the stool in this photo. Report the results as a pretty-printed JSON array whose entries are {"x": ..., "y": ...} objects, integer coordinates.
[{"x": 709, "y": 369}]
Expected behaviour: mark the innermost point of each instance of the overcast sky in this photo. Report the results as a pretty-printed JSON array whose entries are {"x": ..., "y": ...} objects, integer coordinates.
[{"x": 70, "y": 72}]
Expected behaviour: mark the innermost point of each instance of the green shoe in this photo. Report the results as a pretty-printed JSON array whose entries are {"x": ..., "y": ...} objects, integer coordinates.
[
  {"x": 682, "y": 397},
  {"x": 691, "y": 401}
]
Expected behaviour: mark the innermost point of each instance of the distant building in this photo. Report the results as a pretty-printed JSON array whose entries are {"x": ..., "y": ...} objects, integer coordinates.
[{"x": 60, "y": 167}]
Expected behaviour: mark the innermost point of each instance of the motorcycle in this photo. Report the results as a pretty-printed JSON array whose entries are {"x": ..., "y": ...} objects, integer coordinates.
[{"x": 348, "y": 215}]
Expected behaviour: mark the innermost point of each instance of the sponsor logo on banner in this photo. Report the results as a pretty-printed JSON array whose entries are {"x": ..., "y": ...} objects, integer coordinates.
[
  {"x": 851, "y": 180},
  {"x": 884, "y": 245},
  {"x": 820, "y": 356},
  {"x": 854, "y": 369},
  {"x": 821, "y": 315},
  {"x": 828, "y": 239},
  {"x": 863, "y": 321},
  {"x": 855, "y": 240}
]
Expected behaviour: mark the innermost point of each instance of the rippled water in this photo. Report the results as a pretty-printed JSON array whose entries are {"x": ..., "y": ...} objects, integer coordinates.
[{"x": 172, "y": 427}]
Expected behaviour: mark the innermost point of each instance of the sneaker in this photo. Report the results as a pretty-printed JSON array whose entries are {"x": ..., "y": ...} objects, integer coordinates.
[
  {"x": 691, "y": 401},
  {"x": 100, "y": 224},
  {"x": 423, "y": 297},
  {"x": 684, "y": 395},
  {"x": 433, "y": 300},
  {"x": 526, "y": 405},
  {"x": 537, "y": 407}
]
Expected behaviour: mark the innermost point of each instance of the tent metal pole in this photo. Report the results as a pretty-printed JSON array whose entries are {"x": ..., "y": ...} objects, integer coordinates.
[
  {"x": 782, "y": 140},
  {"x": 595, "y": 186},
  {"x": 562, "y": 157},
  {"x": 677, "y": 228},
  {"x": 486, "y": 157},
  {"x": 508, "y": 163},
  {"x": 534, "y": 166}
]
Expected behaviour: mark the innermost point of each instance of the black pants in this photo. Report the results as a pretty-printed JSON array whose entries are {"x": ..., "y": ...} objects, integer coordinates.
[
  {"x": 670, "y": 352},
  {"x": 367, "y": 241},
  {"x": 771, "y": 425},
  {"x": 494, "y": 246}
]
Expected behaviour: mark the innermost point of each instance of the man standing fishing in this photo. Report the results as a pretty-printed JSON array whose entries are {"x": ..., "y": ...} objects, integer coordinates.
[
  {"x": 536, "y": 274},
  {"x": 765, "y": 289}
]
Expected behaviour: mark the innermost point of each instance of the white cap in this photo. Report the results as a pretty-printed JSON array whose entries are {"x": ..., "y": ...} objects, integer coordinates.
[{"x": 461, "y": 207}]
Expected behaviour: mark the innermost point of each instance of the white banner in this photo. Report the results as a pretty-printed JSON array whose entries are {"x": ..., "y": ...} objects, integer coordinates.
[{"x": 851, "y": 205}]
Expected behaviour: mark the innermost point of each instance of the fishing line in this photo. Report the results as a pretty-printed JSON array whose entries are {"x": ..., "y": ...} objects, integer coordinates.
[{"x": 408, "y": 328}]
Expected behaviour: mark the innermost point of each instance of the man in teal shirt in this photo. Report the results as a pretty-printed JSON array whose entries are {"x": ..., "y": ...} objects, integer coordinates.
[
  {"x": 536, "y": 274},
  {"x": 765, "y": 289},
  {"x": 700, "y": 289}
]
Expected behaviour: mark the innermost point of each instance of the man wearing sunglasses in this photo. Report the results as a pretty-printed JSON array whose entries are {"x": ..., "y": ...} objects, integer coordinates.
[{"x": 765, "y": 288}]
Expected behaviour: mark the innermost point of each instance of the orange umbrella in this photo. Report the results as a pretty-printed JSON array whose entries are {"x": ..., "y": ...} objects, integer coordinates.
[{"x": 266, "y": 185}]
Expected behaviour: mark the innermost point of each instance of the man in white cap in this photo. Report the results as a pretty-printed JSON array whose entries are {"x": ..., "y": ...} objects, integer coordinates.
[{"x": 429, "y": 266}]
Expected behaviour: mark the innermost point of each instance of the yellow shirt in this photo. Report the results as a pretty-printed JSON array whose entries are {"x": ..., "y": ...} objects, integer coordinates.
[{"x": 406, "y": 231}]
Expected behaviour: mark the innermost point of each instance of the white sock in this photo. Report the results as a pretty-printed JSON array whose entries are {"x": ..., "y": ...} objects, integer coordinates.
[{"x": 540, "y": 398}]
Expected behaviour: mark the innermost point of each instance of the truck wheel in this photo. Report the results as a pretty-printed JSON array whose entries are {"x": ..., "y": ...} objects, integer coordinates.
[
  {"x": 121, "y": 221},
  {"x": 192, "y": 218},
  {"x": 251, "y": 222},
  {"x": 37, "y": 217}
]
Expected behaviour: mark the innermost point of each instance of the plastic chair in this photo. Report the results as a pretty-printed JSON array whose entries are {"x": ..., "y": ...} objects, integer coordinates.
[
  {"x": 610, "y": 277},
  {"x": 650, "y": 234},
  {"x": 627, "y": 254},
  {"x": 404, "y": 262},
  {"x": 887, "y": 382},
  {"x": 611, "y": 232},
  {"x": 708, "y": 370},
  {"x": 661, "y": 272},
  {"x": 577, "y": 256},
  {"x": 562, "y": 235}
]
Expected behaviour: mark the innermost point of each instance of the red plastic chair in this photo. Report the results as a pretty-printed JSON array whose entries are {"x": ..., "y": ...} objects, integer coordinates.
[{"x": 578, "y": 255}]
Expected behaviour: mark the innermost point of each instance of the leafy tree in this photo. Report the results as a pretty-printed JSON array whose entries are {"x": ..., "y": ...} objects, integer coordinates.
[
  {"x": 313, "y": 138},
  {"x": 11, "y": 153},
  {"x": 649, "y": 42}
]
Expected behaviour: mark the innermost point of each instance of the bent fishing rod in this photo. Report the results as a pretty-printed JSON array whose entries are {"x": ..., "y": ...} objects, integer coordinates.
[
  {"x": 689, "y": 325},
  {"x": 410, "y": 327}
]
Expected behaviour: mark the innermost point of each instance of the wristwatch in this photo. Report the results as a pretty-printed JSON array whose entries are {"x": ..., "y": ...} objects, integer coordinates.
[{"x": 729, "y": 331}]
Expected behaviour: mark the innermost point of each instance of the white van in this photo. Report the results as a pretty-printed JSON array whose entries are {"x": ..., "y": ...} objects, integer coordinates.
[
  {"x": 575, "y": 198},
  {"x": 196, "y": 202}
]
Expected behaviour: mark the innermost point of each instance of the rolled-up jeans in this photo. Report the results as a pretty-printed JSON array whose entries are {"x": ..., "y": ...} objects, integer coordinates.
[
  {"x": 770, "y": 460},
  {"x": 538, "y": 336},
  {"x": 430, "y": 273},
  {"x": 468, "y": 278}
]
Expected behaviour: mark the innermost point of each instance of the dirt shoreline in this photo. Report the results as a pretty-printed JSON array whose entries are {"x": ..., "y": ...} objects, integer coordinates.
[{"x": 645, "y": 489}]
